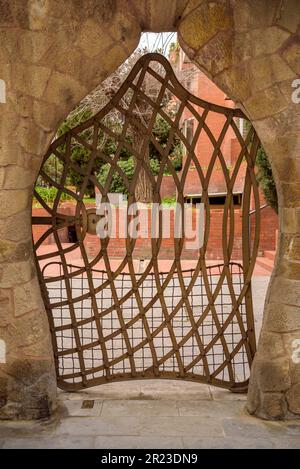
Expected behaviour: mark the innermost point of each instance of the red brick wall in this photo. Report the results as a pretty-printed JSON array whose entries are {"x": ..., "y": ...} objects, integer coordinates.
[
  {"x": 268, "y": 225},
  {"x": 142, "y": 248},
  {"x": 117, "y": 246},
  {"x": 39, "y": 230},
  {"x": 268, "y": 230},
  {"x": 168, "y": 187},
  {"x": 204, "y": 149},
  {"x": 68, "y": 208}
]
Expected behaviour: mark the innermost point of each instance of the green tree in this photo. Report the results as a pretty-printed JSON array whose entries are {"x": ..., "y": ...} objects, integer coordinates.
[
  {"x": 81, "y": 155},
  {"x": 128, "y": 168},
  {"x": 265, "y": 178},
  {"x": 161, "y": 132},
  {"x": 93, "y": 103}
]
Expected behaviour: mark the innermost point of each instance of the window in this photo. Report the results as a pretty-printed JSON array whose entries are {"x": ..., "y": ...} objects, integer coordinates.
[
  {"x": 241, "y": 126},
  {"x": 215, "y": 200}
]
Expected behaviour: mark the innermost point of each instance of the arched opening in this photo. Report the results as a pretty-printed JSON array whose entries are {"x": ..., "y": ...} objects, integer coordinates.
[
  {"x": 46, "y": 88},
  {"x": 139, "y": 306}
]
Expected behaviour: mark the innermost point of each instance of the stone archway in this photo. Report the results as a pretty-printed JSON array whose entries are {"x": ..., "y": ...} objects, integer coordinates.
[{"x": 53, "y": 55}]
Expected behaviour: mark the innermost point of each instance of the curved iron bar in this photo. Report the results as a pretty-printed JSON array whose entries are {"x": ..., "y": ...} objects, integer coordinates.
[{"x": 224, "y": 371}]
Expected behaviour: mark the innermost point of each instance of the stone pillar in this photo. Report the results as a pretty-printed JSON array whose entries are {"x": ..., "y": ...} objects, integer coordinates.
[
  {"x": 251, "y": 49},
  {"x": 52, "y": 54},
  {"x": 274, "y": 391},
  {"x": 27, "y": 379}
]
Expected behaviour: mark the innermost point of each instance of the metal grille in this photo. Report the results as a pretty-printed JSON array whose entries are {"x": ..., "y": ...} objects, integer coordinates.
[
  {"x": 110, "y": 325},
  {"x": 209, "y": 338}
]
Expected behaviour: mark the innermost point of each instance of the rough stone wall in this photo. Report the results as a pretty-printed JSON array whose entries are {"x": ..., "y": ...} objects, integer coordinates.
[
  {"x": 52, "y": 54},
  {"x": 251, "y": 49}
]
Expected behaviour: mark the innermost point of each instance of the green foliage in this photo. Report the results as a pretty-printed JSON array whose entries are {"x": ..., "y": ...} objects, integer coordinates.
[
  {"x": 73, "y": 120},
  {"x": 48, "y": 194},
  {"x": 161, "y": 131},
  {"x": 176, "y": 157},
  {"x": 174, "y": 52},
  {"x": 117, "y": 183},
  {"x": 154, "y": 166},
  {"x": 108, "y": 146},
  {"x": 264, "y": 175},
  {"x": 174, "y": 46},
  {"x": 127, "y": 166},
  {"x": 169, "y": 200},
  {"x": 53, "y": 168},
  {"x": 80, "y": 155},
  {"x": 265, "y": 179}
]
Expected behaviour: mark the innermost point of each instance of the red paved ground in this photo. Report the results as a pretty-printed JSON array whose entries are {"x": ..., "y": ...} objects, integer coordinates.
[{"x": 262, "y": 267}]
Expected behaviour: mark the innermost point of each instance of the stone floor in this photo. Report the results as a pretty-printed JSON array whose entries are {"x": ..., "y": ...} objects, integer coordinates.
[
  {"x": 155, "y": 414},
  {"x": 259, "y": 290},
  {"x": 151, "y": 414}
]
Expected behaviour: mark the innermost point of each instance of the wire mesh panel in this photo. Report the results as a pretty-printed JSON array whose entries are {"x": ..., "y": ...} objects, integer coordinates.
[
  {"x": 109, "y": 321},
  {"x": 183, "y": 338}
]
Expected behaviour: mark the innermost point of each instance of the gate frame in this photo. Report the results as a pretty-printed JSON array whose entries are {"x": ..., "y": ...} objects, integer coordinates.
[{"x": 59, "y": 221}]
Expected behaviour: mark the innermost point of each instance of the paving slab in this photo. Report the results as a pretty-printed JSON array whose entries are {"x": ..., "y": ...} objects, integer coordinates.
[
  {"x": 138, "y": 442},
  {"x": 93, "y": 426},
  {"x": 141, "y": 408},
  {"x": 152, "y": 389},
  {"x": 219, "y": 394},
  {"x": 180, "y": 426},
  {"x": 211, "y": 410},
  {"x": 116, "y": 390},
  {"x": 223, "y": 443},
  {"x": 174, "y": 390},
  {"x": 138, "y": 426},
  {"x": 152, "y": 424},
  {"x": 62, "y": 442},
  {"x": 27, "y": 429},
  {"x": 287, "y": 442},
  {"x": 259, "y": 290},
  {"x": 76, "y": 408},
  {"x": 251, "y": 427}
]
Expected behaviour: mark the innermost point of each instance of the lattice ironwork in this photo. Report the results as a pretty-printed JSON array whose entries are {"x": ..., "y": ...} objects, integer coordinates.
[{"x": 114, "y": 323}]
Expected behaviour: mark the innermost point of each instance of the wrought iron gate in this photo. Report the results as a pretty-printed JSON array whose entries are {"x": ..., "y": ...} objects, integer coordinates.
[{"x": 111, "y": 322}]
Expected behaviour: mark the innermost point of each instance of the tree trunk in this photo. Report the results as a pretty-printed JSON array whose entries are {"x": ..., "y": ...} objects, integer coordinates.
[{"x": 143, "y": 189}]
